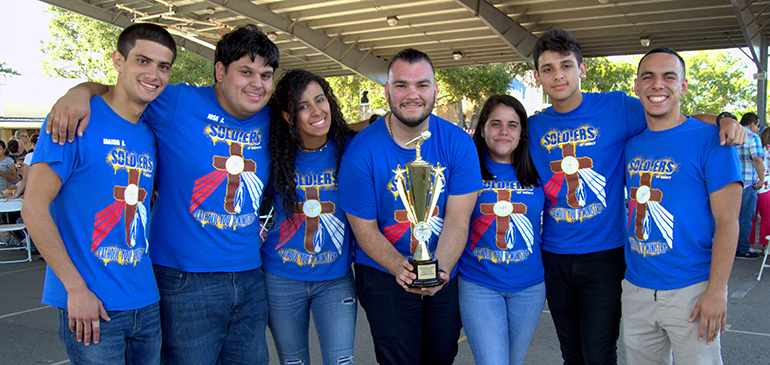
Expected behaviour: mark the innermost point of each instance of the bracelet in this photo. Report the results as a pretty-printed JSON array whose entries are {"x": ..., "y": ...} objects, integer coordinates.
[{"x": 725, "y": 115}]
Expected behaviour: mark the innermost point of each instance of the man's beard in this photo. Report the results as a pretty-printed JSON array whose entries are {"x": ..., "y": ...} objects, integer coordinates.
[{"x": 413, "y": 122}]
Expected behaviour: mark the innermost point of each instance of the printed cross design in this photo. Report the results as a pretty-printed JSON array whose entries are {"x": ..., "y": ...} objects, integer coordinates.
[
  {"x": 570, "y": 164},
  {"x": 313, "y": 208},
  {"x": 643, "y": 194},
  {"x": 401, "y": 216},
  {"x": 503, "y": 208},
  {"x": 234, "y": 165},
  {"x": 132, "y": 194}
]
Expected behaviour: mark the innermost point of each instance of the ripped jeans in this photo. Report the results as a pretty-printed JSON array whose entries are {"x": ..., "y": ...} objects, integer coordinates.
[{"x": 334, "y": 308}]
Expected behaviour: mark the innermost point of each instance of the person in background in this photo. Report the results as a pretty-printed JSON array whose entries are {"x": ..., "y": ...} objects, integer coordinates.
[
  {"x": 501, "y": 278},
  {"x": 21, "y": 136},
  {"x": 751, "y": 156},
  {"x": 21, "y": 187},
  {"x": 308, "y": 250},
  {"x": 8, "y": 172},
  {"x": 763, "y": 202}
]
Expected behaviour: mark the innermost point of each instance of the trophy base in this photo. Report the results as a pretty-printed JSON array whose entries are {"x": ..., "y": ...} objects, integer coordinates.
[{"x": 427, "y": 274}]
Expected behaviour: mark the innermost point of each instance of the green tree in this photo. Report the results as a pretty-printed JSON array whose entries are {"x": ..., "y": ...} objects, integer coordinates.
[
  {"x": 6, "y": 69},
  {"x": 81, "y": 47},
  {"x": 349, "y": 89},
  {"x": 716, "y": 83},
  {"x": 475, "y": 84},
  {"x": 605, "y": 76}
]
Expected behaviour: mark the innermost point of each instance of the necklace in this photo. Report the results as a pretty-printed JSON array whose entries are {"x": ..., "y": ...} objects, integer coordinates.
[
  {"x": 390, "y": 128},
  {"x": 318, "y": 148}
]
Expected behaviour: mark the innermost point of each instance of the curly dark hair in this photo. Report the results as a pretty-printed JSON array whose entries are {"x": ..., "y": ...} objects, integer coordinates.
[
  {"x": 285, "y": 140},
  {"x": 520, "y": 158}
]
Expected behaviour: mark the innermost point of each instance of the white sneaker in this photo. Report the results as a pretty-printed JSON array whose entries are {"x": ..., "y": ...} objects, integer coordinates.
[{"x": 756, "y": 250}]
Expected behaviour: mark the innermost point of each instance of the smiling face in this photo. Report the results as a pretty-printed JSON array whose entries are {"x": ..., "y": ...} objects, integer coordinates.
[
  {"x": 411, "y": 91},
  {"x": 560, "y": 77},
  {"x": 145, "y": 71},
  {"x": 659, "y": 85},
  {"x": 502, "y": 132},
  {"x": 313, "y": 116},
  {"x": 244, "y": 87}
]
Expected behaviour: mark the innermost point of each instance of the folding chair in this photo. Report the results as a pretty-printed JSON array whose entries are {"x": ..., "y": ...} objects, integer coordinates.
[
  {"x": 764, "y": 261},
  {"x": 14, "y": 205}
]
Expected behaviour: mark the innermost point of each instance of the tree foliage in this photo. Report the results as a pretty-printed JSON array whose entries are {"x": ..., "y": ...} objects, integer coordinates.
[
  {"x": 7, "y": 70},
  {"x": 81, "y": 47},
  {"x": 602, "y": 75},
  {"x": 716, "y": 83},
  {"x": 349, "y": 89},
  {"x": 475, "y": 83}
]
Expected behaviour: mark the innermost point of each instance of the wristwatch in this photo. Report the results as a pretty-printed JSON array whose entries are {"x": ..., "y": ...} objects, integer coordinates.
[{"x": 725, "y": 115}]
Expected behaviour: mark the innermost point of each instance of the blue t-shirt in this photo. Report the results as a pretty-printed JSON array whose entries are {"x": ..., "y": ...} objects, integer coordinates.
[
  {"x": 670, "y": 175},
  {"x": 212, "y": 169},
  {"x": 368, "y": 188},
  {"x": 503, "y": 250},
  {"x": 579, "y": 157},
  {"x": 102, "y": 209},
  {"x": 315, "y": 244}
]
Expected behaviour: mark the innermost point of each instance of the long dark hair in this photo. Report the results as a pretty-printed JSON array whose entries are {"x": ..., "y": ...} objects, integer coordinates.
[
  {"x": 520, "y": 158},
  {"x": 285, "y": 140}
]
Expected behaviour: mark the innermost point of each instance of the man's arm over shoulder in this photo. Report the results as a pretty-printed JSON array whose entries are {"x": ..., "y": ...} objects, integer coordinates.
[
  {"x": 731, "y": 132},
  {"x": 83, "y": 307},
  {"x": 72, "y": 111}
]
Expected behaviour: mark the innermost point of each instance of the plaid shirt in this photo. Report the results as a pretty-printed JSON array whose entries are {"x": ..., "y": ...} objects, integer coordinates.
[{"x": 746, "y": 153}]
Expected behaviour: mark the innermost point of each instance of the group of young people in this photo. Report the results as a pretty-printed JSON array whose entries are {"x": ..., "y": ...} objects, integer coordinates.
[{"x": 213, "y": 153}]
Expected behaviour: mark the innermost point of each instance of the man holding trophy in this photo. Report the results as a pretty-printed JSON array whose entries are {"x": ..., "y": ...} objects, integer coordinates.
[{"x": 408, "y": 184}]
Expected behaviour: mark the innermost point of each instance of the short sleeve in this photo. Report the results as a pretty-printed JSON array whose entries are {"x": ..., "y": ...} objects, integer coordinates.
[
  {"x": 721, "y": 166},
  {"x": 356, "y": 184},
  {"x": 466, "y": 173},
  {"x": 61, "y": 159},
  {"x": 636, "y": 121},
  {"x": 159, "y": 113}
]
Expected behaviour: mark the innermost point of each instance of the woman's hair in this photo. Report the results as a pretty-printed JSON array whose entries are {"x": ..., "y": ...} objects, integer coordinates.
[
  {"x": 520, "y": 158},
  {"x": 765, "y": 136},
  {"x": 285, "y": 140}
]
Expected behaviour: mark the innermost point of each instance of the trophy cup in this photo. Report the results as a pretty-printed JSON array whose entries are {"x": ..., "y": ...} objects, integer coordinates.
[{"x": 425, "y": 183}]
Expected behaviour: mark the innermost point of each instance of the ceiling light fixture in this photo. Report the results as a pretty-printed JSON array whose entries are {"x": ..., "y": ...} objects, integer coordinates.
[
  {"x": 392, "y": 21},
  {"x": 602, "y": 1},
  {"x": 457, "y": 55},
  {"x": 645, "y": 41},
  {"x": 272, "y": 36}
]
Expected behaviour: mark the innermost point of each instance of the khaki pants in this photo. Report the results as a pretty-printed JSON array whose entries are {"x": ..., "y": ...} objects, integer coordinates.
[{"x": 655, "y": 326}]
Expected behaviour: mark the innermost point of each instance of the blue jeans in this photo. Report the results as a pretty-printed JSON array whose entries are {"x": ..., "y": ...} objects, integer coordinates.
[
  {"x": 333, "y": 304},
  {"x": 583, "y": 293},
  {"x": 409, "y": 329},
  {"x": 130, "y": 337},
  {"x": 212, "y": 318},
  {"x": 748, "y": 209},
  {"x": 499, "y": 325}
]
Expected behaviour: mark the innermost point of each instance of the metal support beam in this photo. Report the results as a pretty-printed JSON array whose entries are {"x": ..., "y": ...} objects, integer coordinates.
[
  {"x": 762, "y": 84},
  {"x": 346, "y": 55},
  {"x": 757, "y": 43},
  {"x": 197, "y": 46},
  {"x": 751, "y": 30},
  {"x": 512, "y": 33}
]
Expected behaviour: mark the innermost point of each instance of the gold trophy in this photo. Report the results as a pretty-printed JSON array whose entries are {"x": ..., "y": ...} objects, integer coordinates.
[{"x": 425, "y": 183}]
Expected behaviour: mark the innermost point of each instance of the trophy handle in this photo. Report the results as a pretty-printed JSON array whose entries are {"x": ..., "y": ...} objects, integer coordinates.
[
  {"x": 438, "y": 184},
  {"x": 402, "y": 194}
]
